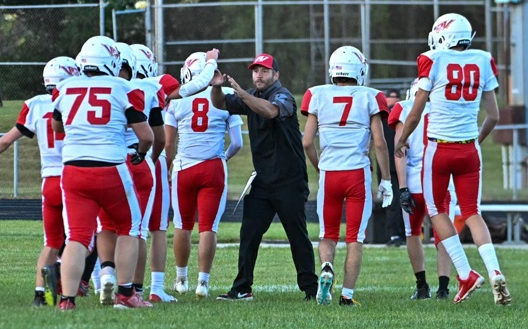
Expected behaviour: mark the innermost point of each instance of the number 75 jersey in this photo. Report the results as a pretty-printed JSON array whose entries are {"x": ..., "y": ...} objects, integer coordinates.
[
  {"x": 343, "y": 116},
  {"x": 455, "y": 82}
]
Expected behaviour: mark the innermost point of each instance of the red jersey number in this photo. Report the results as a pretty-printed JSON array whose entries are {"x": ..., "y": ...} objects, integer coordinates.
[
  {"x": 199, "y": 120},
  {"x": 50, "y": 134},
  {"x": 463, "y": 82},
  {"x": 94, "y": 101},
  {"x": 348, "y": 105}
]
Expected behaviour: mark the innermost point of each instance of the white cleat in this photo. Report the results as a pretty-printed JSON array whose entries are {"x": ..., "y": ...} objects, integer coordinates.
[
  {"x": 501, "y": 293},
  {"x": 107, "y": 296},
  {"x": 161, "y": 297},
  {"x": 202, "y": 290},
  {"x": 181, "y": 285}
]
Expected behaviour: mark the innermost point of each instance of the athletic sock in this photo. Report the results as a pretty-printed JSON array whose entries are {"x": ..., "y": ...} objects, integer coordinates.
[
  {"x": 488, "y": 255},
  {"x": 458, "y": 256}
]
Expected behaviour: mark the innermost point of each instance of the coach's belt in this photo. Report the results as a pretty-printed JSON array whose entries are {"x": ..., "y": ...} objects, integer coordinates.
[{"x": 467, "y": 141}]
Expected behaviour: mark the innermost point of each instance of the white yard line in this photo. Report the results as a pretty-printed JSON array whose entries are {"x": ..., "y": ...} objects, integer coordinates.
[{"x": 342, "y": 245}]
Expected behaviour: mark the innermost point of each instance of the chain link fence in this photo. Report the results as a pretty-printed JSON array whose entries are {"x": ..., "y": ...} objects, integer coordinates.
[{"x": 300, "y": 34}]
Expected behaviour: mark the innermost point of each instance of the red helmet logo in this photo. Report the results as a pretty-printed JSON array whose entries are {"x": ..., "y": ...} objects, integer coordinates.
[{"x": 443, "y": 25}]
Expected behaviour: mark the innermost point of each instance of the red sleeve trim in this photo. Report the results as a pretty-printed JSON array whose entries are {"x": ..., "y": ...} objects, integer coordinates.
[
  {"x": 382, "y": 104},
  {"x": 394, "y": 116},
  {"x": 307, "y": 98},
  {"x": 22, "y": 117},
  {"x": 169, "y": 83},
  {"x": 424, "y": 66},
  {"x": 137, "y": 98}
]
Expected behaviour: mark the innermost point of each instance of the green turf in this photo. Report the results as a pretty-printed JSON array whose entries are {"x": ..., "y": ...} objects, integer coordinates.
[
  {"x": 383, "y": 289},
  {"x": 239, "y": 167}
]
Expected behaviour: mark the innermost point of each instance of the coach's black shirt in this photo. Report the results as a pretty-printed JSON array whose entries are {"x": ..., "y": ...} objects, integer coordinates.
[{"x": 276, "y": 144}]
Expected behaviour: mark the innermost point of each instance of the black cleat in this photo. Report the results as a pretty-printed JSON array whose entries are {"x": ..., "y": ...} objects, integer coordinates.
[
  {"x": 348, "y": 302},
  {"x": 39, "y": 299},
  {"x": 51, "y": 276},
  {"x": 442, "y": 294},
  {"x": 422, "y": 293}
]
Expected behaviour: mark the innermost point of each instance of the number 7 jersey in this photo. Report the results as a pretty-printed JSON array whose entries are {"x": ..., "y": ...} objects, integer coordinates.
[
  {"x": 343, "y": 116},
  {"x": 455, "y": 81}
]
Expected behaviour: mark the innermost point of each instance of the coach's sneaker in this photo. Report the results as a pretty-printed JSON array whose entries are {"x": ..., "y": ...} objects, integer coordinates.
[
  {"x": 181, "y": 285},
  {"x": 343, "y": 301},
  {"x": 325, "y": 286},
  {"x": 234, "y": 295},
  {"x": 202, "y": 290},
  {"x": 161, "y": 297},
  {"x": 500, "y": 289},
  {"x": 108, "y": 284},
  {"x": 468, "y": 286},
  {"x": 50, "y": 273},
  {"x": 422, "y": 293},
  {"x": 134, "y": 301}
]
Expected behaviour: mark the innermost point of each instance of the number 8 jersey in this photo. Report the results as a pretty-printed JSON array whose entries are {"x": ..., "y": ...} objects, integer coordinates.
[
  {"x": 459, "y": 78},
  {"x": 93, "y": 114}
]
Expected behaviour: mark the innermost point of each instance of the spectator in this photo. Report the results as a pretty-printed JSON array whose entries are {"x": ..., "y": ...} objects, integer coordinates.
[
  {"x": 281, "y": 183},
  {"x": 347, "y": 115},
  {"x": 393, "y": 214}
]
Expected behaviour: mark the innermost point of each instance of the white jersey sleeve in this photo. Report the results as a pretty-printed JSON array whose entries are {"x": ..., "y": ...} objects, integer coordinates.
[
  {"x": 455, "y": 81},
  {"x": 36, "y": 116},
  {"x": 154, "y": 98},
  {"x": 93, "y": 115},
  {"x": 201, "y": 128},
  {"x": 343, "y": 115}
]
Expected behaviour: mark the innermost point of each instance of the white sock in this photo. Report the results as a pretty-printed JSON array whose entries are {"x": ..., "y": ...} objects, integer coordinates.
[
  {"x": 487, "y": 252},
  {"x": 158, "y": 280},
  {"x": 347, "y": 293},
  {"x": 458, "y": 256},
  {"x": 327, "y": 263},
  {"x": 202, "y": 276},
  {"x": 40, "y": 289},
  {"x": 96, "y": 275},
  {"x": 181, "y": 272}
]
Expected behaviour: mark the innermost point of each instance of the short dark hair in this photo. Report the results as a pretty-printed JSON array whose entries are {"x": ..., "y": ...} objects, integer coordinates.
[{"x": 393, "y": 93}]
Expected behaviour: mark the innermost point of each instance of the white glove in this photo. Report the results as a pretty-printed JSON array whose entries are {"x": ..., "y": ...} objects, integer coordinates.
[{"x": 385, "y": 189}]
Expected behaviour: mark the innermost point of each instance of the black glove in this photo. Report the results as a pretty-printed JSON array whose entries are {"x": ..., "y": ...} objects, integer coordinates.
[
  {"x": 137, "y": 158},
  {"x": 406, "y": 200}
]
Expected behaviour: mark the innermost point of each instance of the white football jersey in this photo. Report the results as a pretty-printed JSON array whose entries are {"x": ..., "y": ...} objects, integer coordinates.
[
  {"x": 417, "y": 141},
  {"x": 154, "y": 98},
  {"x": 201, "y": 128},
  {"x": 455, "y": 80},
  {"x": 35, "y": 116},
  {"x": 167, "y": 81},
  {"x": 343, "y": 115},
  {"x": 93, "y": 115}
]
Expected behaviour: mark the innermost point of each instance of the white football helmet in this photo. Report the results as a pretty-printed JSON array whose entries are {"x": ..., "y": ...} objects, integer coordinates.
[
  {"x": 193, "y": 66},
  {"x": 127, "y": 58},
  {"x": 411, "y": 92},
  {"x": 348, "y": 62},
  {"x": 450, "y": 30},
  {"x": 100, "y": 54},
  {"x": 58, "y": 69},
  {"x": 145, "y": 60}
]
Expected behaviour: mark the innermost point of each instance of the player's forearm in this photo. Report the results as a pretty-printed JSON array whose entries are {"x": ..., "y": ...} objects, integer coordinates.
[
  {"x": 382, "y": 157},
  {"x": 201, "y": 81},
  {"x": 218, "y": 97}
]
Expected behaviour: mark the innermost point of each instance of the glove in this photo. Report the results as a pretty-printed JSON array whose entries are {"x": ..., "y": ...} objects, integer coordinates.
[
  {"x": 137, "y": 158},
  {"x": 385, "y": 190},
  {"x": 406, "y": 200}
]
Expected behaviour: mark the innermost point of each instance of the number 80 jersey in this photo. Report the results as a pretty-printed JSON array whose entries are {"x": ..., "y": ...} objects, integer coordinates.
[
  {"x": 343, "y": 116},
  {"x": 455, "y": 81}
]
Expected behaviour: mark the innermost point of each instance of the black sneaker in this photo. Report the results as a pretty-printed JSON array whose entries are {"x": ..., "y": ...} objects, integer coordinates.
[
  {"x": 235, "y": 295},
  {"x": 309, "y": 297},
  {"x": 39, "y": 299},
  {"x": 396, "y": 242},
  {"x": 422, "y": 293},
  {"x": 348, "y": 302},
  {"x": 442, "y": 294},
  {"x": 51, "y": 276}
]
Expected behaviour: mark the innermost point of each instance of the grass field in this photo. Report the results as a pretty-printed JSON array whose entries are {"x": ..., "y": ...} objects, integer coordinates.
[
  {"x": 383, "y": 289},
  {"x": 240, "y": 167}
]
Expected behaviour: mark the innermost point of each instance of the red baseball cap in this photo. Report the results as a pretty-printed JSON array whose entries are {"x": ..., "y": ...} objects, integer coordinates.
[{"x": 265, "y": 60}]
